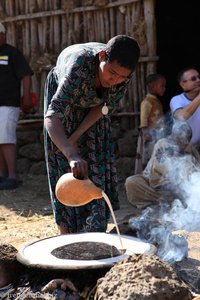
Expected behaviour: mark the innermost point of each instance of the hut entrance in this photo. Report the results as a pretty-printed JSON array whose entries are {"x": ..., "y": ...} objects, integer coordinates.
[{"x": 177, "y": 26}]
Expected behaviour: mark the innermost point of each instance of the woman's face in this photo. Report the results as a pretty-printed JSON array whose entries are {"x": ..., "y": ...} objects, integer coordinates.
[{"x": 111, "y": 73}]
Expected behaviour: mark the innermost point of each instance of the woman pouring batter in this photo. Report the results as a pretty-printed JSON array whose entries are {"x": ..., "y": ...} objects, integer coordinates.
[{"x": 87, "y": 82}]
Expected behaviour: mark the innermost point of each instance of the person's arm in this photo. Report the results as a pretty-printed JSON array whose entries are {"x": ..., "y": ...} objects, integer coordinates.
[
  {"x": 93, "y": 115},
  {"x": 68, "y": 146},
  {"x": 26, "y": 99},
  {"x": 186, "y": 112},
  {"x": 56, "y": 132}
]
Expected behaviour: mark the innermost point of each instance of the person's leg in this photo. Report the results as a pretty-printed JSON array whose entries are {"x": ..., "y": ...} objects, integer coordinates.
[
  {"x": 139, "y": 193},
  {"x": 9, "y": 119},
  {"x": 9, "y": 155},
  {"x": 63, "y": 230},
  {"x": 3, "y": 167}
]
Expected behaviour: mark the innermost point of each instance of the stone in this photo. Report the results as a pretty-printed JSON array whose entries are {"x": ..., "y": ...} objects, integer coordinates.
[
  {"x": 33, "y": 152},
  {"x": 23, "y": 165},
  {"x": 38, "y": 168},
  {"x": 26, "y": 137}
]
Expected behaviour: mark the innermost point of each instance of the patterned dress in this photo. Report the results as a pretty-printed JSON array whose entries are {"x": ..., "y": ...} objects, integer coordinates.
[{"x": 70, "y": 93}]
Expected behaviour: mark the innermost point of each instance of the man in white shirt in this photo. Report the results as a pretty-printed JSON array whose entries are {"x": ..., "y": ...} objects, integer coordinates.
[{"x": 186, "y": 106}]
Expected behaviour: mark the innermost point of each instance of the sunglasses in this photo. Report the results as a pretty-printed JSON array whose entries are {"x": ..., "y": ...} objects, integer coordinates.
[{"x": 193, "y": 78}]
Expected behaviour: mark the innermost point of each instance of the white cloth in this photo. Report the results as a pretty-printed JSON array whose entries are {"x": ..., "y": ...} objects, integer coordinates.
[
  {"x": 181, "y": 101},
  {"x": 9, "y": 117}
]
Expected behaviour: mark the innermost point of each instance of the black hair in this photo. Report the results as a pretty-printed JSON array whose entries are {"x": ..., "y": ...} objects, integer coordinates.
[
  {"x": 124, "y": 49},
  {"x": 153, "y": 77},
  {"x": 180, "y": 74}
]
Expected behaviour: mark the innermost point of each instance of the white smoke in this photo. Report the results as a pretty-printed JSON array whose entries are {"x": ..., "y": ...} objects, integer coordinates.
[
  {"x": 187, "y": 216},
  {"x": 157, "y": 223}
]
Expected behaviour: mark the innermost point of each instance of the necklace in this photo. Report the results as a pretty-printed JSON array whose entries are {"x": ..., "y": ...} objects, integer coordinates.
[{"x": 105, "y": 109}]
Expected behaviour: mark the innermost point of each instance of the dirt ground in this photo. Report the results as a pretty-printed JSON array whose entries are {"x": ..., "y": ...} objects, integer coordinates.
[
  {"x": 26, "y": 213},
  {"x": 26, "y": 216}
]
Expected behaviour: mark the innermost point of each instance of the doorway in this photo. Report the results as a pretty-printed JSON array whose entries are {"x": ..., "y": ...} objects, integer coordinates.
[{"x": 178, "y": 44}]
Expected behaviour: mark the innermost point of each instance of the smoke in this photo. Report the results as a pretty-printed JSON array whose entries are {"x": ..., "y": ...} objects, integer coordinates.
[{"x": 157, "y": 224}]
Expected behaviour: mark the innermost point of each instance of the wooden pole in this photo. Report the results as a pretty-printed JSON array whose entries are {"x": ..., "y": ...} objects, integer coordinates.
[{"x": 150, "y": 31}]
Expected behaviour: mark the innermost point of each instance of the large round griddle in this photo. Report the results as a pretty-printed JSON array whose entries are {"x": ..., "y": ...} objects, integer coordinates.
[{"x": 38, "y": 254}]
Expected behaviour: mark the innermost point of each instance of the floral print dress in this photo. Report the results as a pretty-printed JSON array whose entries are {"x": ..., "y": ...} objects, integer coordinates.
[{"x": 70, "y": 93}]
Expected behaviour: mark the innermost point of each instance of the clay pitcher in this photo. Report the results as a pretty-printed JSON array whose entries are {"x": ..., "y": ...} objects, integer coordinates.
[{"x": 71, "y": 191}]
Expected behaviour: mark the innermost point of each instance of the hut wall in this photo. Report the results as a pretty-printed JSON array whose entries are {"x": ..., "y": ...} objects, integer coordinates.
[{"x": 42, "y": 28}]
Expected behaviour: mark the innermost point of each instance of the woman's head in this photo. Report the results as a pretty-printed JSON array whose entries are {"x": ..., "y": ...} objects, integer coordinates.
[
  {"x": 118, "y": 60},
  {"x": 124, "y": 50}
]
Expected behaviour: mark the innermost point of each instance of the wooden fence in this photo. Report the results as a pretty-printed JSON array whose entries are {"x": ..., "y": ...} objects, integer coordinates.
[{"x": 42, "y": 28}]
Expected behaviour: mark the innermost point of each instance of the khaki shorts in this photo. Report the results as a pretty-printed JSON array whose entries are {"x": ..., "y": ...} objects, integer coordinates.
[{"x": 9, "y": 117}]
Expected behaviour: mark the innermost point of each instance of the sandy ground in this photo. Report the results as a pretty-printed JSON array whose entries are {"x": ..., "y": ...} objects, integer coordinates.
[
  {"x": 26, "y": 216},
  {"x": 26, "y": 213}
]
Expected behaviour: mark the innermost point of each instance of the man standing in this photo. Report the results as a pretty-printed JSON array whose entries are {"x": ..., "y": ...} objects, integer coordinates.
[
  {"x": 14, "y": 70},
  {"x": 186, "y": 106}
]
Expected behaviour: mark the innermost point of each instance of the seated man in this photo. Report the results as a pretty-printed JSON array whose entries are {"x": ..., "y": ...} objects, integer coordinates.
[
  {"x": 172, "y": 162},
  {"x": 186, "y": 106}
]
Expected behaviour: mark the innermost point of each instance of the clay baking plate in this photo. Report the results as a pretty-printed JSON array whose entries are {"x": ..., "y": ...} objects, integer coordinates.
[{"x": 38, "y": 254}]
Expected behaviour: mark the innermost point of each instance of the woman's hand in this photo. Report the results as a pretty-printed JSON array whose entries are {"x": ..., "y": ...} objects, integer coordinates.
[{"x": 79, "y": 167}]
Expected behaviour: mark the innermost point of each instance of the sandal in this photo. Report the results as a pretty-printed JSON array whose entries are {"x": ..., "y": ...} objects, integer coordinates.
[{"x": 10, "y": 184}]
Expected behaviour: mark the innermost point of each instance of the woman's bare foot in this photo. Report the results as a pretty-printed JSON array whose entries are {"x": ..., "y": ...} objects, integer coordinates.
[{"x": 63, "y": 230}]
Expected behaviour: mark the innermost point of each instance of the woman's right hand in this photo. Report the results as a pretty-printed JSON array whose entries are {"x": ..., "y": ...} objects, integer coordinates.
[{"x": 79, "y": 167}]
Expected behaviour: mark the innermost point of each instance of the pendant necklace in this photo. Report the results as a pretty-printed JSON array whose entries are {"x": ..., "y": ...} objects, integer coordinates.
[{"x": 105, "y": 109}]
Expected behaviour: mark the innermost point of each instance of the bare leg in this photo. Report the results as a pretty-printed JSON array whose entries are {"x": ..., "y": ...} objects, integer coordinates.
[
  {"x": 9, "y": 155},
  {"x": 63, "y": 230},
  {"x": 3, "y": 167}
]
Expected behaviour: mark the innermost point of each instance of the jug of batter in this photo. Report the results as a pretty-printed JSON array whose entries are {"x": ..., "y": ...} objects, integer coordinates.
[{"x": 71, "y": 191}]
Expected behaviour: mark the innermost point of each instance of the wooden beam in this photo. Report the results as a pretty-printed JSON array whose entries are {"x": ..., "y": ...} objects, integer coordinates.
[
  {"x": 113, "y": 4},
  {"x": 65, "y": 11},
  {"x": 125, "y": 114},
  {"x": 34, "y": 15},
  {"x": 148, "y": 58}
]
